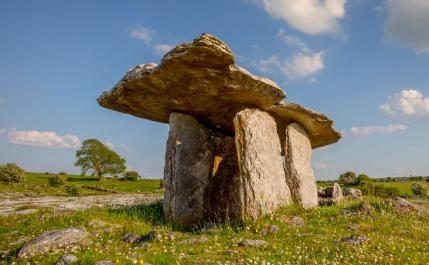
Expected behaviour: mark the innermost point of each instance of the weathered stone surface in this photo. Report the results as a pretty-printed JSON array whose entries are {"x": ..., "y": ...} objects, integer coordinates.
[
  {"x": 52, "y": 240},
  {"x": 188, "y": 167},
  {"x": 194, "y": 240},
  {"x": 252, "y": 243},
  {"x": 262, "y": 177},
  {"x": 269, "y": 230},
  {"x": 337, "y": 193},
  {"x": 296, "y": 221},
  {"x": 224, "y": 192},
  {"x": 299, "y": 174},
  {"x": 66, "y": 260},
  {"x": 198, "y": 78},
  {"x": 318, "y": 126},
  {"x": 352, "y": 192}
]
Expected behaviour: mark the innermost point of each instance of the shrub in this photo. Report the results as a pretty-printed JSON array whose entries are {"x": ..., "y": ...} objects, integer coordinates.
[
  {"x": 11, "y": 173},
  {"x": 62, "y": 173},
  {"x": 131, "y": 176},
  {"x": 46, "y": 173},
  {"x": 418, "y": 189},
  {"x": 362, "y": 178},
  {"x": 72, "y": 190},
  {"x": 56, "y": 180}
]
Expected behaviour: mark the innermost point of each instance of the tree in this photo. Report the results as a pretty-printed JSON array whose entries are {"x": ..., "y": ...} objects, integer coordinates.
[
  {"x": 131, "y": 176},
  {"x": 96, "y": 158},
  {"x": 363, "y": 178},
  {"x": 348, "y": 178},
  {"x": 418, "y": 189}
]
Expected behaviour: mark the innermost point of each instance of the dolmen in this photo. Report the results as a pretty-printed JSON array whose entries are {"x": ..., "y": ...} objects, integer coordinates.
[{"x": 236, "y": 150}]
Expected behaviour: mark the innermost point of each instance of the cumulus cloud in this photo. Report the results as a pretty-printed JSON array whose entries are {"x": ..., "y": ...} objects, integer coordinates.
[
  {"x": 162, "y": 49},
  {"x": 407, "y": 24},
  {"x": 369, "y": 130},
  {"x": 408, "y": 102},
  {"x": 320, "y": 165},
  {"x": 109, "y": 144},
  {"x": 302, "y": 64},
  {"x": 142, "y": 33},
  {"x": 309, "y": 16},
  {"x": 41, "y": 139}
]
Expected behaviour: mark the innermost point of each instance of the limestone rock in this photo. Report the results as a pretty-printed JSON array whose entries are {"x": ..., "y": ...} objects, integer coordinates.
[
  {"x": 131, "y": 238},
  {"x": 296, "y": 221},
  {"x": 66, "y": 260},
  {"x": 262, "y": 177},
  {"x": 354, "y": 239},
  {"x": 198, "y": 78},
  {"x": 318, "y": 126},
  {"x": 52, "y": 240},
  {"x": 299, "y": 174},
  {"x": 269, "y": 230},
  {"x": 337, "y": 193},
  {"x": 353, "y": 192},
  {"x": 188, "y": 166},
  {"x": 252, "y": 243},
  {"x": 194, "y": 240},
  {"x": 223, "y": 195}
]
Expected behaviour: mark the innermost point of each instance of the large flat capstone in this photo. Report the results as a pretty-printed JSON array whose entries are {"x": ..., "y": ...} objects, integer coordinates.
[{"x": 198, "y": 78}]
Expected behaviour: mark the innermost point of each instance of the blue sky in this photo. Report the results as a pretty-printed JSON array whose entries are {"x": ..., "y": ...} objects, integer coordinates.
[{"x": 364, "y": 63}]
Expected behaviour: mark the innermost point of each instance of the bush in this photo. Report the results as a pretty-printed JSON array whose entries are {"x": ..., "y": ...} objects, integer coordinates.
[
  {"x": 72, "y": 190},
  {"x": 56, "y": 180},
  {"x": 418, "y": 189},
  {"x": 362, "y": 177},
  {"x": 11, "y": 173},
  {"x": 131, "y": 176},
  {"x": 62, "y": 173}
]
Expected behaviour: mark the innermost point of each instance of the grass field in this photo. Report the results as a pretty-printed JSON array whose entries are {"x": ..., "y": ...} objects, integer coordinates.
[
  {"x": 393, "y": 238},
  {"x": 37, "y": 184},
  {"x": 404, "y": 187}
]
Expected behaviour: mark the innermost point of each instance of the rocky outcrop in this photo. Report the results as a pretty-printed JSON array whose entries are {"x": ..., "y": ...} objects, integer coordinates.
[
  {"x": 53, "y": 240},
  {"x": 353, "y": 193},
  {"x": 262, "y": 176},
  {"x": 299, "y": 174},
  {"x": 188, "y": 167},
  {"x": 330, "y": 195}
]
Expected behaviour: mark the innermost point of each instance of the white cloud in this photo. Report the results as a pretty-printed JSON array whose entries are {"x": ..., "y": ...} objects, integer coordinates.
[
  {"x": 408, "y": 102},
  {"x": 369, "y": 130},
  {"x": 407, "y": 24},
  {"x": 142, "y": 33},
  {"x": 302, "y": 64},
  {"x": 320, "y": 165},
  {"x": 109, "y": 144},
  {"x": 125, "y": 147},
  {"x": 309, "y": 16},
  {"x": 162, "y": 49},
  {"x": 42, "y": 139}
]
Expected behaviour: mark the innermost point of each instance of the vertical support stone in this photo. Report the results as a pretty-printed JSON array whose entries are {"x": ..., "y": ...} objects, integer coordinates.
[
  {"x": 299, "y": 174},
  {"x": 187, "y": 171},
  {"x": 224, "y": 193},
  {"x": 263, "y": 187}
]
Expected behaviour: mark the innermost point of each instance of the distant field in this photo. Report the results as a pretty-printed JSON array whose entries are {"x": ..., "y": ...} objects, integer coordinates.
[
  {"x": 37, "y": 183},
  {"x": 404, "y": 187}
]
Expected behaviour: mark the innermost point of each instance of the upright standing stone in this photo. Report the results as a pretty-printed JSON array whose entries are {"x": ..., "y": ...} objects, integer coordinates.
[
  {"x": 337, "y": 193},
  {"x": 299, "y": 174},
  {"x": 188, "y": 166},
  {"x": 263, "y": 187}
]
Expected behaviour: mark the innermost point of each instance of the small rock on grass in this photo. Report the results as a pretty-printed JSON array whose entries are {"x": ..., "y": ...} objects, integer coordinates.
[
  {"x": 194, "y": 240},
  {"x": 252, "y": 243},
  {"x": 271, "y": 229},
  {"x": 131, "y": 238},
  {"x": 103, "y": 262},
  {"x": 354, "y": 239},
  {"x": 66, "y": 260},
  {"x": 134, "y": 238},
  {"x": 297, "y": 221},
  {"x": 353, "y": 226},
  {"x": 53, "y": 240}
]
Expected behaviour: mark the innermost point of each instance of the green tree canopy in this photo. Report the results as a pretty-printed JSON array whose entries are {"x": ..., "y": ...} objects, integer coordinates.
[
  {"x": 348, "y": 178},
  {"x": 96, "y": 158},
  {"x": 363, "y": 178}
]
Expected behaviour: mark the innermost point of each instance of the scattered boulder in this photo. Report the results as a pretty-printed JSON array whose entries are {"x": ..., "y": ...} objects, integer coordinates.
[
  {"x": 354, "y": 239},
  {"x": 402, "y": 205},
  {"x": 66, "y": 260},
  {"x": 104, "y": 262},
  {"x": 131, "y": 238},
  {"x": 194, "y": 240},
  {"x": 353, "y": 193},
  {"x": 188, "y": 166},
  {"x": 151, "y": 236},
  {"x": 252, "y": 243},
  {"x": 52, "y": 240},
  {"x": 353, "y": 226},
  {"x": 263, "y": 184},
  {"x": 296, "y": 221},
  {"x": 271, "y": 229},
  {"x": 321, "y": 192},
  {"x": 299, "y": 174},
  {"x": 367, "y": 208}
]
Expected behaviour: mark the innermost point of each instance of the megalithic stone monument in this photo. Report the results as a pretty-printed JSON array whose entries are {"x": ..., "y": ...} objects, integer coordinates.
[{"x": 236, "y": 149}]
